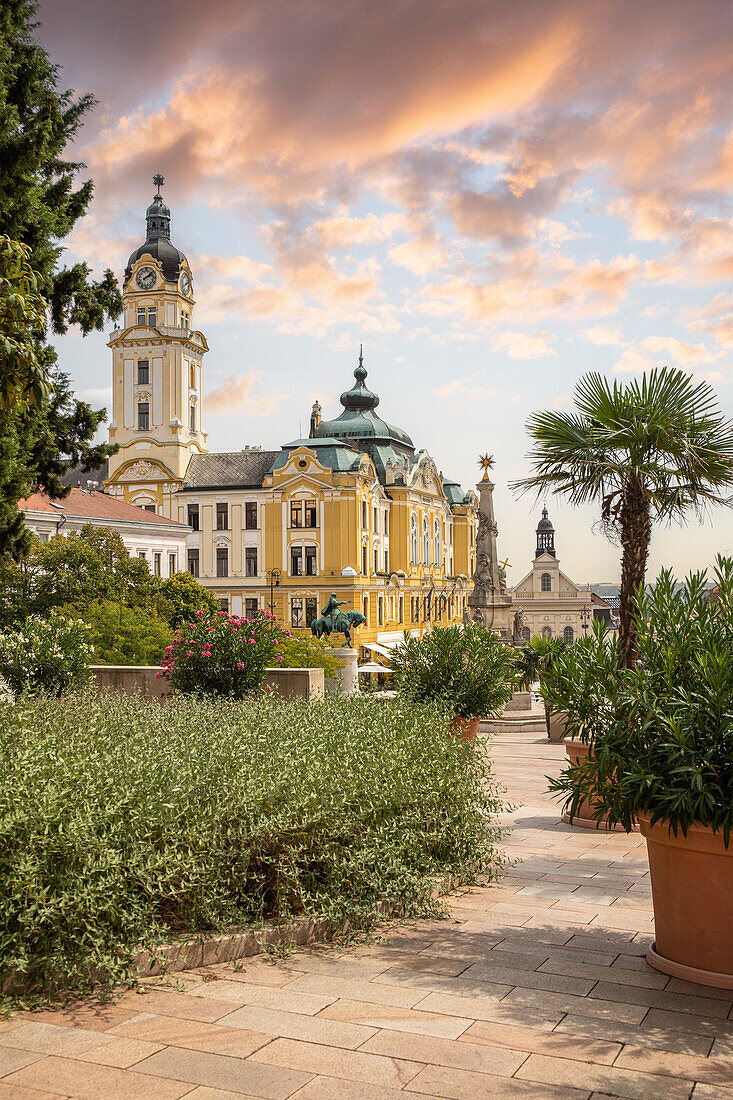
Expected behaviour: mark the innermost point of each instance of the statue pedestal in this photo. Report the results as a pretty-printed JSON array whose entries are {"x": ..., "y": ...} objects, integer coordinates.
[{"x": 348, "y": 674}]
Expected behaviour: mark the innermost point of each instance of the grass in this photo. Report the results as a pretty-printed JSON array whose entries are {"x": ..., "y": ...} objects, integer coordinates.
[{"x": 125, "y": 823}]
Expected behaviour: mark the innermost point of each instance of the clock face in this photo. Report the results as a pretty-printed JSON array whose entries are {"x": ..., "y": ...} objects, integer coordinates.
[
  {"x": 145, "y": 278},
  {"x": 185, "y": 282}
]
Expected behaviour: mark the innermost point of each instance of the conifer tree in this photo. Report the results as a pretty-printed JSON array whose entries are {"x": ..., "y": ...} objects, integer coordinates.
[{"x": 40, "y": 202}]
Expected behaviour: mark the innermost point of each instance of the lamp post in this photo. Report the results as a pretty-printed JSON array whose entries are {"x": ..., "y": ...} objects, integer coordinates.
[
  {"x": 273, "y": 576},
  {"x": 585, "y": 619}
]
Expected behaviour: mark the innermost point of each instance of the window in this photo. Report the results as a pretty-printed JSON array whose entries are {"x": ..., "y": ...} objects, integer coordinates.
[
  {"x": 413, "y": 539},
  {"x": 222, "y": 561},
  {"x": 193, "y": 516},
  {"x": 143, "y": 415},
  {"x": 224, "y": 604},
  {"x": 311, "y": 610},
  {"x": 250, "y": 561},
  {"x": 376, "y": 560},
  {"x": 149, "y": 507},
  {"x": 364, "y": 560},
  {"x": 402, "y": 609},
  {"x": 141, "y": 315},
  {"x": 184, "y": 324},
  {"x": 303, "y": 513},
  {"x": 152, "y": 318},
  {"x": 365, "y": 608},
  {"x": 296, "y": 561},
  {"x": 172, "y": 566},
  {"x": 425, "y": 541},
  {"x": 546, "y": 631},
  {"x": 437, "y": 547},
  {"x": 143, "y": 554},
  {"x": 386, "y": 561},
  {"x": 386, "y": 523},
  {"x": 156, "y": 564},
  {"x": 250, "y": 516},
  {"x": 380, "y": 611},
  {"x": 375, "y": 520},
  {"x": 310, "y": 561},
  {"x": 222, "y": 517},
  {"x": 296, "y": 611},
  {"x": 250, "y": 607},
  {"x": 546, "y": 582},
  {"x": 364, "y": 514},
  {"x": 471, "y": 534},
  {"x": 193, "y": 562},
  {"x": 192, "y": 417},
  {"x": 568, "y": 634},
  {"x": 143, "y": 372},
  {"x": 525, "y": 634}
]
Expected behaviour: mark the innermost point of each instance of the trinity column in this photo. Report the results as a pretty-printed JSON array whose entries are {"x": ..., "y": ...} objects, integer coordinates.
[{"x": 490, "y": 603}]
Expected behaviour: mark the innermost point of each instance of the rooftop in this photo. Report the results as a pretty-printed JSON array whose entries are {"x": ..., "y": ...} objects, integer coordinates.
[{"x": 83, "y": 504}]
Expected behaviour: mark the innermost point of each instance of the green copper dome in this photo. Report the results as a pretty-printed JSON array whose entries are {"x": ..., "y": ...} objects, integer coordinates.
[{"x": 359, "y": 425}]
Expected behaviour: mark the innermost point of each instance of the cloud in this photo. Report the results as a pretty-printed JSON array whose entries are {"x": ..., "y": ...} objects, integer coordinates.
[
  {"x": 463, "y": 390},
  {"x": 678, "y": 351},
  {"x": 238, "y": 395},
  {"x": 716, "y": 318},
  {"x": 522, "y": 345},
  {"x": 603, "y": 336}
]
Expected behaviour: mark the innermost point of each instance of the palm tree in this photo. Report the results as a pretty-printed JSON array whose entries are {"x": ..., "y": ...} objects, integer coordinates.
[
  {"x": 534, "y": 660},
  {"x": 650, "y": 450}
]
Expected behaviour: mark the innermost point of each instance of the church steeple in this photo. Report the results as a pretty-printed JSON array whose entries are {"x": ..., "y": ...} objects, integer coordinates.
[
  {"x": 158, "y": 215},
  {"x": 545, "y": 536}
]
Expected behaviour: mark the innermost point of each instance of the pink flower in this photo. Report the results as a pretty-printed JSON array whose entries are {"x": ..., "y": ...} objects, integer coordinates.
[
  {"x": 158, "y": 675},
  {"x": 279, "y": 656},
  {"x": 275, "y": 642},
  {"x": 240, "y": 664},
  {"x": 252, "y": 641},
  {"x": 190, "y": 654}
]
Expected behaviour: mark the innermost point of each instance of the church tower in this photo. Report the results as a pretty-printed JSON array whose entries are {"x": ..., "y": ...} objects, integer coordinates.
[
  {"x": 157, "y": 370},
  {"x": 545, "y": 536}
]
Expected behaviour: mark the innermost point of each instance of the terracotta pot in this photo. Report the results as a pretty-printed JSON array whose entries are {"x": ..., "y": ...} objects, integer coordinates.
[
  {"x": 465, "y": 728},
  {"x": 557, "y": 725},
  {"x": 578, "y": 752},
  {"x": 692, "y": 892}
]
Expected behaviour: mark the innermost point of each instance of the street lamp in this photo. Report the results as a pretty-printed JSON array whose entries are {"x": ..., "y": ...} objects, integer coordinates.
[
  {"x": 273, "y": 576},
  {"x": 585, "y": 618}
]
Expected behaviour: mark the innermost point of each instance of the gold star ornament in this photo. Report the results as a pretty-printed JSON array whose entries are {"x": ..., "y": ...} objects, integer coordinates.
[{"x": 486, "y": 462}]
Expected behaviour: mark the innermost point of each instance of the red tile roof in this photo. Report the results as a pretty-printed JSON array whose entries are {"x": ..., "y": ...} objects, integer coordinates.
[{"x": 82, "y": 504}]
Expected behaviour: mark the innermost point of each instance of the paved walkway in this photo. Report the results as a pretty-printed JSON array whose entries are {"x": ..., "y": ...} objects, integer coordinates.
[{"x": 535, "y": 987}]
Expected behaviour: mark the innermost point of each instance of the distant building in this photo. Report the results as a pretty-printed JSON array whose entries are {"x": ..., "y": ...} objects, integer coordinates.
[
  {"x": 547, "y": 601},
  {"x": 157, "y": 539}
]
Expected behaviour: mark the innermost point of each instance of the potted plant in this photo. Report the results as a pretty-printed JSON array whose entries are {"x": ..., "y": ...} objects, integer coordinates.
[
  {"x": 581, "y": 684},
  {"x": 535, "y": 659},
  {"x": 466, "y": 667},
  {"x": 664, "y": 754}
]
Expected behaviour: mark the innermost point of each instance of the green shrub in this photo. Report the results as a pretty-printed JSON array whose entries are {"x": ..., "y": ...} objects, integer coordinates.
[
  {"x": 45, "y": 656},
  {"x": 663, "y": 745},
  {"x": 181, "y": 596},
  {"x": 125, "y": 822},
  {"x": 219, "y": 654},
  {"x": 123, "y": 635},
  {"x": 303, "y": 650},
  {"x": 466, "y": 667}
]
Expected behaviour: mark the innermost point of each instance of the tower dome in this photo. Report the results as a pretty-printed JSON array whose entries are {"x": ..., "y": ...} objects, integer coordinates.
[
  {"x": 157, "y": 243},
  {"x": 545, "y": 536}
]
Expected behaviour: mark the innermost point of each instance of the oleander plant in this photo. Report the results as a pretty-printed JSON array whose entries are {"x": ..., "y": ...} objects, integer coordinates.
[{"x": 45, "y": 656}]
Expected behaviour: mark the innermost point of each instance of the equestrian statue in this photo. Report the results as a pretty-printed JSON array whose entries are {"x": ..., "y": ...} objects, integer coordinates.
[{"x": 334, "y": 621}]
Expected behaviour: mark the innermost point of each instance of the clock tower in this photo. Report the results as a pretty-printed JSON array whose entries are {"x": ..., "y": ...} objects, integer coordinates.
[{"x": 157, "y": 365}]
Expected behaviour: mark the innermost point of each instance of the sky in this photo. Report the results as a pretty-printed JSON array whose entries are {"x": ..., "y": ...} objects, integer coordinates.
[{"x": 493, "y": 197}]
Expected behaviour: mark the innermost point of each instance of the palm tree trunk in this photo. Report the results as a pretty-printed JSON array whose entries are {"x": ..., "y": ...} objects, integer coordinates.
[{"x": 636, "y": 532}]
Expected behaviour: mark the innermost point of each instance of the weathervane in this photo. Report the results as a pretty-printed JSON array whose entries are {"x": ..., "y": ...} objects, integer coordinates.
[
  {"x": 158, "y": 180},
  {"x": 486, "y": 462}
]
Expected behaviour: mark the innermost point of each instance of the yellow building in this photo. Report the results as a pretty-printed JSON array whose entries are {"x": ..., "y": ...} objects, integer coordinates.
[{"x": 352, "y": 509}]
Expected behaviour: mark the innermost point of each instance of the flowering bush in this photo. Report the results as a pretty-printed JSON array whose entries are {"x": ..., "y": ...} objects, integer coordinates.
[
  {"x": 45, "y": 655},
  {"x": 219, "y": 654}
]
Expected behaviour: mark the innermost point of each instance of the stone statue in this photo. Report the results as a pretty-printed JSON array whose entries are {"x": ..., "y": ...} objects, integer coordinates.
[
  {"x": 334, "y": 621},
  {"x": 502, "y": 580},
  {"x": 478, "y": 616},
  {"x": 518, "y": 624},
  {"x": 482, "y": 577}
]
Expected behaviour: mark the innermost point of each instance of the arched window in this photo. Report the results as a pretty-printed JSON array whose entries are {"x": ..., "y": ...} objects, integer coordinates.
[
  {"x": 568, "y": 634},
  {"x": 365, "y": 608},
  {"x": 437, "y": 548},
  {"x": 413, "y": 539},
  {"x": 192, "y": 416},
  {"x": 546, "y": 582},
  {"x": 525, "y": 633},
  {"x": 425, "y": 541}
]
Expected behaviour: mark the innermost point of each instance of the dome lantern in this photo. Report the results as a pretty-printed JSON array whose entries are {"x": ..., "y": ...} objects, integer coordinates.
[
  {"x": 158, "y": 243},
  {"x": 545, "y": 536}
]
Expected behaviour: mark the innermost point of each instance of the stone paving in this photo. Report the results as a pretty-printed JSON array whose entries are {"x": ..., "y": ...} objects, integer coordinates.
[{"x": 533, "y": 987}]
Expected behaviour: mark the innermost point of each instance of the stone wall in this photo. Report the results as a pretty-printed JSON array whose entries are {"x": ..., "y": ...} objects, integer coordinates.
[{"x": 288, "y": 683}]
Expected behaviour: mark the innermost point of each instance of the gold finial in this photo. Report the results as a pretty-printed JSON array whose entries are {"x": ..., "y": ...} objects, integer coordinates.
[{"x": 486, "y": 462}]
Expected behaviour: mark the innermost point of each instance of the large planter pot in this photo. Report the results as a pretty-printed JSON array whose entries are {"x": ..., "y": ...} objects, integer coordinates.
[
  {"x": 557, "y": 726},
  {"x": 578, "y": 752},
  {"x": 692, "y": 893},
  {"x": 465, "y": 729}
]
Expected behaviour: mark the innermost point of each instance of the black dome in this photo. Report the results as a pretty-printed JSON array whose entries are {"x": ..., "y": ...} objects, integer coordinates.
[
  {"x": 545, "y": 524},
  {"x": 158, "y": 240}
]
